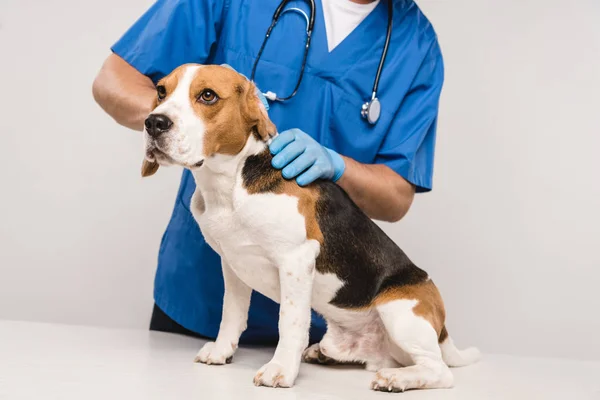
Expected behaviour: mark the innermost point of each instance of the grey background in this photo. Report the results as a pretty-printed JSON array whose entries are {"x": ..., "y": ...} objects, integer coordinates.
[{"x": 511, "y": 232}]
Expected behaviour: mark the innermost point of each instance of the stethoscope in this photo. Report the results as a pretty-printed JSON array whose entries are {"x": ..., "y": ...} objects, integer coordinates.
[{"x": 371, "y": 110}]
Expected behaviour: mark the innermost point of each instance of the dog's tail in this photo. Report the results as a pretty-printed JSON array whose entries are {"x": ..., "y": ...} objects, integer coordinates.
[{"x": 452, "y": 356}]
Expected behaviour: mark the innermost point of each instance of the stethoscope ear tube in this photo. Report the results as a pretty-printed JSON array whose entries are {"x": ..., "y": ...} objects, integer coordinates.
[
  {"x": 310, "y": 21},
  {"x": 388, "y": 36}
]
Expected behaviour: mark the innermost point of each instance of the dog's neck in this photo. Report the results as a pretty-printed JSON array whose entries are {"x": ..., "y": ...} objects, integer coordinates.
[{"x": 218, "y": 175}]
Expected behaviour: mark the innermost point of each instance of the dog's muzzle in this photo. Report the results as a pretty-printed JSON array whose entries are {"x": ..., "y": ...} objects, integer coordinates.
[{"x": 157, "y": 124}]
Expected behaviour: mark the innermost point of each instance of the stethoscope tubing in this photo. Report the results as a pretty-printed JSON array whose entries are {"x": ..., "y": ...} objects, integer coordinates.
[{"x": 310, "y": 21}]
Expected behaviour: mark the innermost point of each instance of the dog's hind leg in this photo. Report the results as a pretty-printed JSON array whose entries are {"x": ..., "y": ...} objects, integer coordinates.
[
  {"x": 335, "y": 348},
  {"x": 314, "y": 355},
  {"x": 359, "y": 346},
  {"x": 417, "y": 338}
]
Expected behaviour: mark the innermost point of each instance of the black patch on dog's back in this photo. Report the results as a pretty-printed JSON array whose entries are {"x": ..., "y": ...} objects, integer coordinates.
[
  {"x": 258, "y": 174},
  {"x": 358, "y": 251}
]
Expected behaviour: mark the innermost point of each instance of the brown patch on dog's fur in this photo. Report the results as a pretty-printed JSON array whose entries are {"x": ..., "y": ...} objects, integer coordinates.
[
  {"x": 307, "y": 206},
  {"x": 430, "y": 305},
  {"x": 170, "y": 83},
  {"x": 261, "y": 177},
  {"x": 234, "y": 116}
]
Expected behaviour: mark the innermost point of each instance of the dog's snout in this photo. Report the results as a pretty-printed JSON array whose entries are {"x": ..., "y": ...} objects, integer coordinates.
[{"x": 157, "y": 124}]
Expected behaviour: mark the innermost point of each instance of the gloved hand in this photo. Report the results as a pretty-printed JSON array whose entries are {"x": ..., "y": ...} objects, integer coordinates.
[{"x": 303, "y": 157}]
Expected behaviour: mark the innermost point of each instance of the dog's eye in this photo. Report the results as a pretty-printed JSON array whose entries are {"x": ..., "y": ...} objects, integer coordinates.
[
  {"x": 162, "y": 92},
  {"x": 208, "y": 97}
]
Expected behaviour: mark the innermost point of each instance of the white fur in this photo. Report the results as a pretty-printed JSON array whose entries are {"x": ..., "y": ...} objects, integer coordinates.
[
  {"x": 183, "y": 143},
  {"x": 262, "y": 241},
  {"x": 454, "y": 357},
  {"x": 236, "y": 303},
  {"x": 412, "y": 335},
  {"x": 272, "y": 257}
]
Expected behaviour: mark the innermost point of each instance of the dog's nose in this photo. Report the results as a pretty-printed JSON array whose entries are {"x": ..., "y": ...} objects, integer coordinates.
[{"x": 157, "y": 124}]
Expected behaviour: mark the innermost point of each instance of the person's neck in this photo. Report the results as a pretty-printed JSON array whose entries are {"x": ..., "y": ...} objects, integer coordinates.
[{"x": 362, "y": 1}]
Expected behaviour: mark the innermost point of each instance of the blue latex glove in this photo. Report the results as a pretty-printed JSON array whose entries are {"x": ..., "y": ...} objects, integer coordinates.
[{"x": 303, "y": 157}]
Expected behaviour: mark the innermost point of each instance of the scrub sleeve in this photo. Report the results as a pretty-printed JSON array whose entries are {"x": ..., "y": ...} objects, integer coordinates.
[{"x": 409, "y": 146}]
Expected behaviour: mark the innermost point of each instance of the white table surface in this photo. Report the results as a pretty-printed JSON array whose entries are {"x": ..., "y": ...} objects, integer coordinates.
[{"x": 46, "y": 361}]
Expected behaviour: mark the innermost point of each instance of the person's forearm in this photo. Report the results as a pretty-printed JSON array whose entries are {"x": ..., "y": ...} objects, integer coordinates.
[
  {"x": 124, "y": 93},
  {"x": 379, "y": 191}
]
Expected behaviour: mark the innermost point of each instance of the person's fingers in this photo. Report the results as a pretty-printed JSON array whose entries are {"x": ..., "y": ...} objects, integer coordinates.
[
  {"x": 299, "y": 165},
  {"x": 315, "y": 172},
  {"x": 281, "y": 141},
  {"x": 288, "y": 154}
]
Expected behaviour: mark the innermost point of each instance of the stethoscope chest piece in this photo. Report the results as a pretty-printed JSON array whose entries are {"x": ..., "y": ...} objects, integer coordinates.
[{"x": 371, "y": 110}]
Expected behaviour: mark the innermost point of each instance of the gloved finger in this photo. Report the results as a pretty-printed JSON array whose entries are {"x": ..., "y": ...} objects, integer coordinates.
[
  {"x": 288, "y": 154},
  {"x": 315, "y": 172},
  {"x": 299, "y": 165},
  {"x": 281, "y": 141}
]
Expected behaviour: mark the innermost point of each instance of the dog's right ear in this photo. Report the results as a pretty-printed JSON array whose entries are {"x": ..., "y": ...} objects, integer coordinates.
[
  {"x": 149, "y": 168},
  {"x": 257, "y": 114}
]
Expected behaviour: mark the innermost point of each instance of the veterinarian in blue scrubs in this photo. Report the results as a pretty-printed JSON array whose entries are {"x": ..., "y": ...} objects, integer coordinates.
[{"x": 380, "y": 165}]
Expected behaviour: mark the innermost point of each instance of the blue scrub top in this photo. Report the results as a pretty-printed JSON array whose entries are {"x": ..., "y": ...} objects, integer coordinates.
[{"x": 189, "y": 282}]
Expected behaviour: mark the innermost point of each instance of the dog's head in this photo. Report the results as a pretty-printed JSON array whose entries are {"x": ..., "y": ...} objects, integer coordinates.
[{"x": 201, "y": 111}]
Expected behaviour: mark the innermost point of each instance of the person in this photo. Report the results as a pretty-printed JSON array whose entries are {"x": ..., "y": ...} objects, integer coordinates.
[{"x": 322, "y": 134}]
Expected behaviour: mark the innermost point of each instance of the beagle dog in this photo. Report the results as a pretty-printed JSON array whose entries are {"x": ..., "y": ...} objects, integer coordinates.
[{"x": 304, "y": 247}]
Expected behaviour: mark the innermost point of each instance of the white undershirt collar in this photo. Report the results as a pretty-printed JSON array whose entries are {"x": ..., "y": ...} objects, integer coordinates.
[{"x": 342, "y": 17}]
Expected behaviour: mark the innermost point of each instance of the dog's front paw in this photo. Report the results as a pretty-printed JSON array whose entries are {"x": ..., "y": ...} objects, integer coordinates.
[
  {"x": 274, "y": 374},
  {"x": 212, "y": 353}
]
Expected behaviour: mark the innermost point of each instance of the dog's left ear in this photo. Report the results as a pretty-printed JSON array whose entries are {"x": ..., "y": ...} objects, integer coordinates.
[
  {"x": 257, "y": 115},
  {"x": 149, "y": 168}
]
